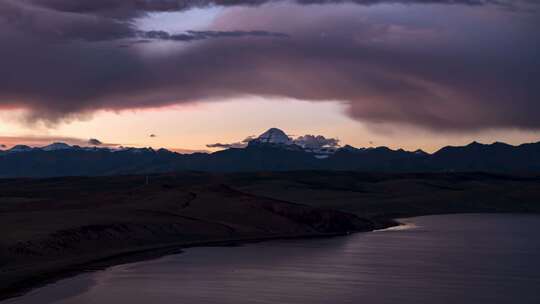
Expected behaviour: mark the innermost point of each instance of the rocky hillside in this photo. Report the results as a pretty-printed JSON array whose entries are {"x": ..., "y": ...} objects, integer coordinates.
[{"x": 65, "y": 223}]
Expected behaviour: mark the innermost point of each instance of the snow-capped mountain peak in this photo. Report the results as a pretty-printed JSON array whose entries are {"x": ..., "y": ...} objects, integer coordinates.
[
  {"x": 318, "y": 145},
  {"x": 56, "y": 146},
  {"x": 274, "y": 136},
  {"x": 20, "y": 148}
]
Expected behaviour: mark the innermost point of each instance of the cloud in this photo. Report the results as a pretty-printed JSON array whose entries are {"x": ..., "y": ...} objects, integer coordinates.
[
  {"x": 20, "y": 17},
  {"x": 306, "y": 141},
  {"x": 227, "y": 146},
  {"x": 249, "y": 138},
  {"x": 239, "y": 144},
  {"x": 413, "y": 65},
  {"x": 3, "y": 146},
  {"x": 94, "y": 142},
  {"x": 128, "y": 9},
  {"x": 78, "y": 25},
  {"x": 187, "y": 151},
  {"x": 39, "y": 141},
  {"x": 202, "y": 35},
  {"x": 316, "y": 142}
]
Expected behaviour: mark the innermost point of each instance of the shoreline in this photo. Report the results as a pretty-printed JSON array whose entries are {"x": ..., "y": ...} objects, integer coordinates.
[
  {"x": 58, "y": 228},
  {"x": 50, "y": 276}
]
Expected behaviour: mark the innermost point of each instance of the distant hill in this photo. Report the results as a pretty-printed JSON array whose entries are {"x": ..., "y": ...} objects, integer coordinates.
[{"x": 272, "y": 151}]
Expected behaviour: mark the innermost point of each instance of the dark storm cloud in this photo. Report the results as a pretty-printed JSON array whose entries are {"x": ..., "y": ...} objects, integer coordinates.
[
  {"x": 202, "y": 35},
  {"x": 442, "y": 69},
  {"x": 66, "y": 26},
  {"x": 135, "y": 8},
  {"x": 20, "y": 17}
]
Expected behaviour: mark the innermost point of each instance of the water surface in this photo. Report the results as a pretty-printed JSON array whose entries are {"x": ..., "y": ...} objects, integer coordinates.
[{"x": 437, "y": 259}]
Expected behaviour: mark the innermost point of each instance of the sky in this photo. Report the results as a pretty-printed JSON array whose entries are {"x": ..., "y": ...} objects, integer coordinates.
[{"x": 185, "y": 74}]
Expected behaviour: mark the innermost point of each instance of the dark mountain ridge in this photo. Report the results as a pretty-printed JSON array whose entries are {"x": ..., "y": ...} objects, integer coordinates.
[{"x": 265, "y": 156}]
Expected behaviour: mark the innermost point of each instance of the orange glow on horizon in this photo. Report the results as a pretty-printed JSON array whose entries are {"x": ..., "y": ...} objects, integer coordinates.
[{"x": 189, "y": 128}]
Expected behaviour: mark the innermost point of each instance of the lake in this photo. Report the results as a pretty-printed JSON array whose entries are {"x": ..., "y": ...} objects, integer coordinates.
[{"x": 470, "y": 258}]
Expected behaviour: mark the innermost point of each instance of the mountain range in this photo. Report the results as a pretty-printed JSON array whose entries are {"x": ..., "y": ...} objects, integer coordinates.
[{"x": 271, "y": 151}]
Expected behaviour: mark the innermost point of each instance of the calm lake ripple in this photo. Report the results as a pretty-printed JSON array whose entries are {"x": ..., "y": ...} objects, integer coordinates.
[{"x": 472, "y": 258}]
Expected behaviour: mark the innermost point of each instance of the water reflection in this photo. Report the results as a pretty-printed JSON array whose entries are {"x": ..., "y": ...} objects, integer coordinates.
[{"x": 444, "y": 259}]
